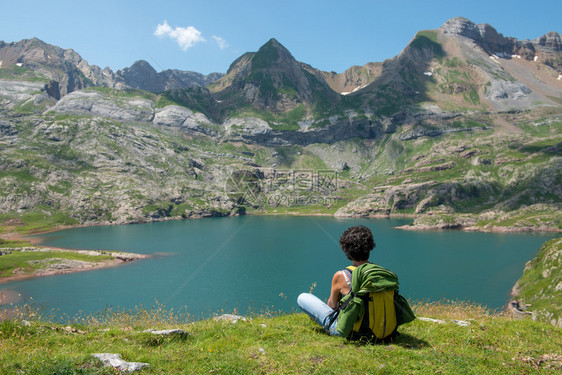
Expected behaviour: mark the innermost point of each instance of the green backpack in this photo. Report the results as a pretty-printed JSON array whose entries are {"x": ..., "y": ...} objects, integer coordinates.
[{"x": 373, "y": 309}]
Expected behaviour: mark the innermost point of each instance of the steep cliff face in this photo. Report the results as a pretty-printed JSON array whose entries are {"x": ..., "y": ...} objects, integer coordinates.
[
  {"x": 141, "y": 75},
  {"x": 551, "y": 41},
  {"x": 491, "y": 41},
  {"x": 487, "y": 37},
  {"x": 545, "y": 49}
]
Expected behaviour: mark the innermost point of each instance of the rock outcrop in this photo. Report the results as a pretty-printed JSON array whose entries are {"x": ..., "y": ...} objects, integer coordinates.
[
  {"x": 495, "y": 43},
  {"x": 488, "y": 38},
  {"x": 252, "y": 130},
  {"x": 114, "y": 360},
  {"x": 181, "y": 117},
  {"x": 550, "y": 40},
  {"x": 93, "y": 103},
  {"x": 13, "y": 92}
]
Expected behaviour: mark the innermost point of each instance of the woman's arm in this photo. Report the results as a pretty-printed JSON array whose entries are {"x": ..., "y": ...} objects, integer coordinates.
[{"x": 338, "y": 281}]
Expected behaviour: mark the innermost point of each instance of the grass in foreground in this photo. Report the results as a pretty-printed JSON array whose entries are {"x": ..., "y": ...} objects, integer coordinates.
[{"x": 284, "y": 344}]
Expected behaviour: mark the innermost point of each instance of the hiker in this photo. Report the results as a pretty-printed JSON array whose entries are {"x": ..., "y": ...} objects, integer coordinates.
[{"x": 362, "y": 287}]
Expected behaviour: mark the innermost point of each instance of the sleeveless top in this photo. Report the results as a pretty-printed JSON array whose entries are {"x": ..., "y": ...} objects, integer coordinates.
[{"x": 347, "y": 275}]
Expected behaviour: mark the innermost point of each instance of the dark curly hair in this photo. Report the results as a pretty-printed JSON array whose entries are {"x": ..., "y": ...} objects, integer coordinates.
[{"x": 357, "y": 242}]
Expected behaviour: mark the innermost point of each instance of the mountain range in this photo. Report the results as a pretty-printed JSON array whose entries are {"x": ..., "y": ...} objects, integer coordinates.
[
  {"x": 461, "y": 129},
  {"x": 273, "y": 67}
]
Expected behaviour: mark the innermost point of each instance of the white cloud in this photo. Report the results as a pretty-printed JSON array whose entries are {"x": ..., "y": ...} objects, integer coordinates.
[
  {"x": 186, "y": 37},
  {"x": 220, "y": 41}
]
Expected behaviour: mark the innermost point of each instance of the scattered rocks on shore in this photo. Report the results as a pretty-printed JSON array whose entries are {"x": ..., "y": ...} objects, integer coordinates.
[
  {"x": 230, "y": 318},
  {"x": 115, "y": 361},
  {"x": 168, "y": 332},
  {"x": 462, "y": 323}
]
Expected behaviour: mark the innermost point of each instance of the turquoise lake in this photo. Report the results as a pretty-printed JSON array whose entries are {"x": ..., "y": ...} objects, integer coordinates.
[{"x": 260, "y": 263}]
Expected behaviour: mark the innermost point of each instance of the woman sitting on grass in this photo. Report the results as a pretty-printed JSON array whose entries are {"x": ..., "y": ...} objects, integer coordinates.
[{"x": 369, "y": 287}]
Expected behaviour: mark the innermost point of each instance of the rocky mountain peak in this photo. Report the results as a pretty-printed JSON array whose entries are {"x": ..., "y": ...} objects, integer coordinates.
[
  {"x": 551, "y": 41},
  {"x": 141, "y": 75},
  {"x": 482, "y": 33},
  {"x": 271, "y": 79},
  {"x": 142, "y": 65},
  {"x": 273, "y": 54},
  {"x": 487, "y": 37},
  {"x": 66, "y": 70},
  {"x": 139, "y": 70},
  {"x": 547, "y": 48},
  {"x": 461, "y": 26}
]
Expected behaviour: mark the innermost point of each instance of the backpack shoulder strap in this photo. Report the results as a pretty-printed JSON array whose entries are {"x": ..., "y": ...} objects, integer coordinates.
[{"x": 347, "y": 274}]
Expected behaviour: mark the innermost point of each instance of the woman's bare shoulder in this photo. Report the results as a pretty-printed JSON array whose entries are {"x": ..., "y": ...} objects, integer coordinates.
[{"x": 338, "y": 276}]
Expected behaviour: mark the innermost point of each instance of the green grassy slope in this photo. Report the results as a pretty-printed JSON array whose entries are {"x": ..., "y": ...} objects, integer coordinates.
[
  {"x": 540, "y": 287},
  {"x": 286, "y": 344}
]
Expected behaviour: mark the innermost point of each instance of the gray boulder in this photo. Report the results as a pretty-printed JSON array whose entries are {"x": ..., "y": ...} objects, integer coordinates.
[
  {"x": 115, "y": 361},
  {"x": 168, "y": 332},
  {"x": 181, "y": 117}
]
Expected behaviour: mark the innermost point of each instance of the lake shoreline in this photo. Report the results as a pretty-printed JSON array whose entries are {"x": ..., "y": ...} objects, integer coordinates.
[
  {"x": 193, "y": 249},
  {"x": 127, "y": 257},
  {"x": 64, "y": 267},
  {"x": 58, "y": 268},
  {"x": 493, "y": 229}
]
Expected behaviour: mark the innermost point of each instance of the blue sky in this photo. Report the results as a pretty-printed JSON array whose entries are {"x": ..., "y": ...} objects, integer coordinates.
[{"x": 206, "y": 36}]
